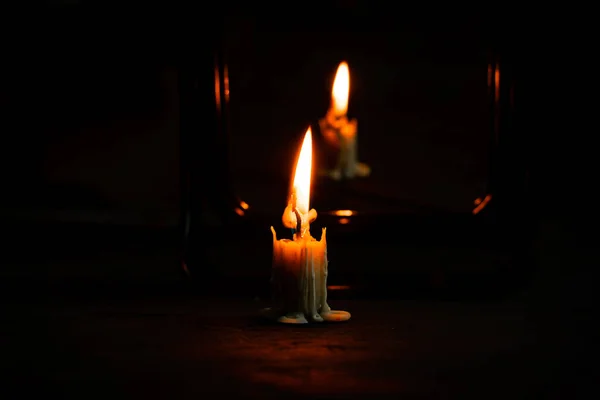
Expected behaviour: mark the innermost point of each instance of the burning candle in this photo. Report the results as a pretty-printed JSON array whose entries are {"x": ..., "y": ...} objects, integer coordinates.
[
  {"x": 299, "y": 274},
  {"x": 339, "y": 132}
]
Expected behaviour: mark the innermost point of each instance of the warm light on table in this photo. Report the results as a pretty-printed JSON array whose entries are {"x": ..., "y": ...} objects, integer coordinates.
[
  {"x": 339, "y": 132},
  {"x": 299, "y": 270}
]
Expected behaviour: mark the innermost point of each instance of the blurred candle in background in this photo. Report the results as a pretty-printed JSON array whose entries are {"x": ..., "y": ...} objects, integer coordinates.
[{"x": 339, "y": 132}]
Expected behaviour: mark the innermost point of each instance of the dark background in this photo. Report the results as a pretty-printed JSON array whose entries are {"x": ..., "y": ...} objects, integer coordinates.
[
  {"x": 91, "y": 158},
  {"x": 91, "y": 191},
  {"x": 90, "y": 109}
]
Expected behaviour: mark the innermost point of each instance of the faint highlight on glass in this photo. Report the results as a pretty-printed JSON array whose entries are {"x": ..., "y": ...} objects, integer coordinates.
[
  {"x": 481, "y": 203},
  {"x": 217, "y": 87},
  {"x": 497, "y": 83},
  {"x": 338, "y": 287},
  {"x": 226, "y": 83}
]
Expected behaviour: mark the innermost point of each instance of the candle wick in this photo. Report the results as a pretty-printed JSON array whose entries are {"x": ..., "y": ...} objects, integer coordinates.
[
  {"x": 298, "y": 222},
  {"x": 293, "y": 201}
]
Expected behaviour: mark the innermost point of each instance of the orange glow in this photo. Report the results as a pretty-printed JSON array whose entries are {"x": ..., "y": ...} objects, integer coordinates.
[
  {"x": 481, "y": 203},
  {"x": 338, "y": 287},
  {"x": 343, "y": 213},
  {"x": 244, "y": 205},
  {"x": 497, "y": 83},
  {"x": 344, "y": 221},
  {"x": 341, "y": 89},
  {"x": 302, "y": 175},
  {"x": 226, "y": 82},
  {"x": 217, "y": 88},
  {"x": 239, "y": 212}
]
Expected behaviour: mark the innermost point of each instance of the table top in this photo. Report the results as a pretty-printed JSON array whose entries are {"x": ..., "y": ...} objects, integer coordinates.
[
  {"x": 99, "y": 335},
  {"x": 188, "y": 346}
]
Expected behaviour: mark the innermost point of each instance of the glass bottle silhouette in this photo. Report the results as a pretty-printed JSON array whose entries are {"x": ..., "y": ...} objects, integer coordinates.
[{"x": 207, "y": 195}]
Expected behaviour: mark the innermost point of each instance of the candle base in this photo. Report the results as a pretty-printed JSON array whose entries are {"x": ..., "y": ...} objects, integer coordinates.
[
  {"x": 336, "y": 316},
  {"x": 361, "y": 170},
  {"x": 298, "y": 318},
  {"x": 274, "y": 314},
  {"x": 299, "y": 281}
]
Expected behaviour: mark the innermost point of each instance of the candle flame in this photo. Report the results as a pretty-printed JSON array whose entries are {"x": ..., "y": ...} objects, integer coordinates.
[
  {"x": 303, "y": 173},
  {"x": 341, "y": 89}
]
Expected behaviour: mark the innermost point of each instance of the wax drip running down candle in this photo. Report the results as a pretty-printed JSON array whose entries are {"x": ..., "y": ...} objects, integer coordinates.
[
  {"x": 341, "y": 133},
  {"x": 300, "y": 266}
]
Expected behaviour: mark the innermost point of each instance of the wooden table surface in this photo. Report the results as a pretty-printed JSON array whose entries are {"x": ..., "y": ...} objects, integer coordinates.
[
  {"x": 188, "y": 346},
  {"x": 110, "y": 341}
]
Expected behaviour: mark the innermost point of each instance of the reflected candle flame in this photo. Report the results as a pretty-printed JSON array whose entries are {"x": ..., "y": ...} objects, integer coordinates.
[{"x": 341, "y": 89}]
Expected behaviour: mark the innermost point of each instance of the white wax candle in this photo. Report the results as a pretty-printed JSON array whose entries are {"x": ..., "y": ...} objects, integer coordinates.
[
  {"x": 300, "y": 278},
  {"x": 299, "y": 273}
]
